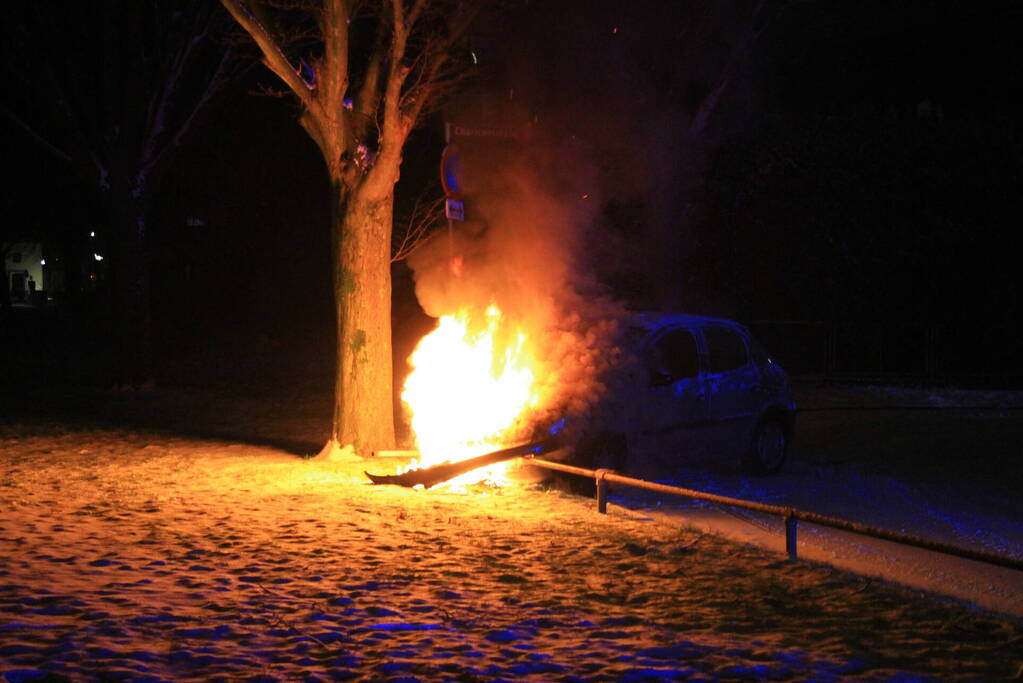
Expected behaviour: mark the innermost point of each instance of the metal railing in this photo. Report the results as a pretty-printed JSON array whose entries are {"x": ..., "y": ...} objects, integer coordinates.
[{"x": 791, "y": 516}]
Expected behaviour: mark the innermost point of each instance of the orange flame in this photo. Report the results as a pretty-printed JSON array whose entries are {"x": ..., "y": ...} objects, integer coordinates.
[{"x": 469, "y": 388}]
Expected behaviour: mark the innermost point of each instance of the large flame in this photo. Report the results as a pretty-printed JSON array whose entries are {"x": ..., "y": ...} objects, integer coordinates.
[{"x": 472, "y": 379}]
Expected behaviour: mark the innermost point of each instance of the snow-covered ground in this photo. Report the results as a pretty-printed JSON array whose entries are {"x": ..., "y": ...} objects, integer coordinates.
[
  {"x": 177, "y": 536},
  {"x": 944, "y": 465}
]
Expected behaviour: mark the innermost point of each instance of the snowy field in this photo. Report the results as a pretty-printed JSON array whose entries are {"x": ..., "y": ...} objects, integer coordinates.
[
  {"x": 944, "y": 465},
  {"x": 175, "y": 536}
]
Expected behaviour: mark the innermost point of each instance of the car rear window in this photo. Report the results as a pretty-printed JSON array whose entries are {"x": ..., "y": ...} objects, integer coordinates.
[{"x": 726, "y": 349}]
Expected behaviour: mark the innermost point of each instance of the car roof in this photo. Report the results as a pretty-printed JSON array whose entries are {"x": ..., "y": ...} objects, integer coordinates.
[{"x": 654, "y": 320}]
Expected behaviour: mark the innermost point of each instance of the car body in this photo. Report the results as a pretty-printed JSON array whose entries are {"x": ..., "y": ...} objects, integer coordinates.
[{"x": 694, "y": 389}]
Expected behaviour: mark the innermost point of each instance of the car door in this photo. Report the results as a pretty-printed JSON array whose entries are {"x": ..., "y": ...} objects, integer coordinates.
[
  {"x": 673, "y": 404},
  {"x": 731, "y": 385}
]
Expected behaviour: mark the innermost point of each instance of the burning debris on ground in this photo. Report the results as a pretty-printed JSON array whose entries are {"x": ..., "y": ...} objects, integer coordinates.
[{"x": 439, "y": 473}]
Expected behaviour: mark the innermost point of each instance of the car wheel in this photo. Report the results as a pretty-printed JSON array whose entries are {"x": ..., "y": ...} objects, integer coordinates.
[{"x": 767, "y": 451}]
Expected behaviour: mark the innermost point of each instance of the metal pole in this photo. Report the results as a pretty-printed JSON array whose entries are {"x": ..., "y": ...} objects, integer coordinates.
[
  {"x": 790, "y": 537},
  {"x": 395, "y": 454},
  {"x": 600, "y": 476}
]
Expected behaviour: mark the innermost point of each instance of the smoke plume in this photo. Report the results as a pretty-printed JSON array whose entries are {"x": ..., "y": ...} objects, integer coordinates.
[{"x": 522, "y": 247}]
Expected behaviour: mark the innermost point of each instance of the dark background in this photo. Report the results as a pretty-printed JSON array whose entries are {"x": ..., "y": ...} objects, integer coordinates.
[{"x": 854, "y": 196}]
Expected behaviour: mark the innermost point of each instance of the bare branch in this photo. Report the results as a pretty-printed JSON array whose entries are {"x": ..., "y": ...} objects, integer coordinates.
[
  {"x": 426, "y": 217},
  {"x": 368, "y": 100},
  {"x": 382, "y": 176},
  {"x": 158, "y": 111},
  {"x": 267, "y": 91},
  {"x": 273, "y": 56},
  {"x": 156, "y": 120},
  {"x": 429, "y": 85},
  {"x": 335, "y": 22},
  {"x": 88, "y": 157},
  {"x": 217, "y": 81},
  {"x": 739, "y": 53},
  {"x": 417, "y": 10},
  {"x": 43, "y": 142},
  {"x": 432, "y": 74}
]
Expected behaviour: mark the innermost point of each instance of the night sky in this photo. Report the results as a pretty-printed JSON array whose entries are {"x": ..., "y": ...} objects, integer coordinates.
[{"x": 862, "y": 166}]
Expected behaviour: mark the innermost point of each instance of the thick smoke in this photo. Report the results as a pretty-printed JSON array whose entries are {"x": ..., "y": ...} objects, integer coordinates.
[
  {"x": 601, "y": 181},
  {"x": 522, "y": 247}
]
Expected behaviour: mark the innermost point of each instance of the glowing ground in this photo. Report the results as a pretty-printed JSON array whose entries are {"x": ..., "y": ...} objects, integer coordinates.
[{"x": 131, "y": 555}]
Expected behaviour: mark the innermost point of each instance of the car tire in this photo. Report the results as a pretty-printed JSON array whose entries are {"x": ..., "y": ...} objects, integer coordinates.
[{"x": 768, "y": 449}]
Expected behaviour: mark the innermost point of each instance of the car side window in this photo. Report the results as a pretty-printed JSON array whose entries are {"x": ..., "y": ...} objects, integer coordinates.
[
  {"x": 725, "y": 348},
  {"x": 673, "y": 357}
]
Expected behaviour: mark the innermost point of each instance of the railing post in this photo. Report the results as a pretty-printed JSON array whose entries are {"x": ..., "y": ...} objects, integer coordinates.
[
  {"x": 790, "y": 537},
  {"x": 601, "y": 491}
]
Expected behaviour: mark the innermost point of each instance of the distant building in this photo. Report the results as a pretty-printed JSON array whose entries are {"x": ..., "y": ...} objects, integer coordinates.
[{"x": 32, "y": 280}]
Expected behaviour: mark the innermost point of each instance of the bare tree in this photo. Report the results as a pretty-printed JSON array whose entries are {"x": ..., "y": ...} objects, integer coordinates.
[
  {"x": 364, "y": 73},
  {"x": 114, "y": 101}
]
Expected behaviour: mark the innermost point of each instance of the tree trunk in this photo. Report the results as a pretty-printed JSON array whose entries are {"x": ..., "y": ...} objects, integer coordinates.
[
  {"x": 5, "y": 288},
  {"x": 363, "y": 397},
  {"x": 130, "y": 295}
]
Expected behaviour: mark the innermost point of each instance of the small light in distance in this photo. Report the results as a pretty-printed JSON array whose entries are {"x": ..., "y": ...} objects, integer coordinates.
[{"x": 97, "y": 257}]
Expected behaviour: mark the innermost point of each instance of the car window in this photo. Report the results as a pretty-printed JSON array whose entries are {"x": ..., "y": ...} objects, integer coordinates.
[
  {"x": 725, "y": 348},
  {"x": 673, "y": 357}
]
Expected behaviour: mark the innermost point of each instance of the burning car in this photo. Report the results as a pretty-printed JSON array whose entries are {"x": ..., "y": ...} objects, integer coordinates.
[
  {"x": 697, "y": 390},
  {"x": 681, "y": 389}
]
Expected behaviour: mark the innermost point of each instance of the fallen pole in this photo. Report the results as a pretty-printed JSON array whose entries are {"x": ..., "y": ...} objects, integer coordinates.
[
  {"x": 395, "y": 454},
  {"x": 436, "y": 474},
  {"x": 790, "y": 515}
]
